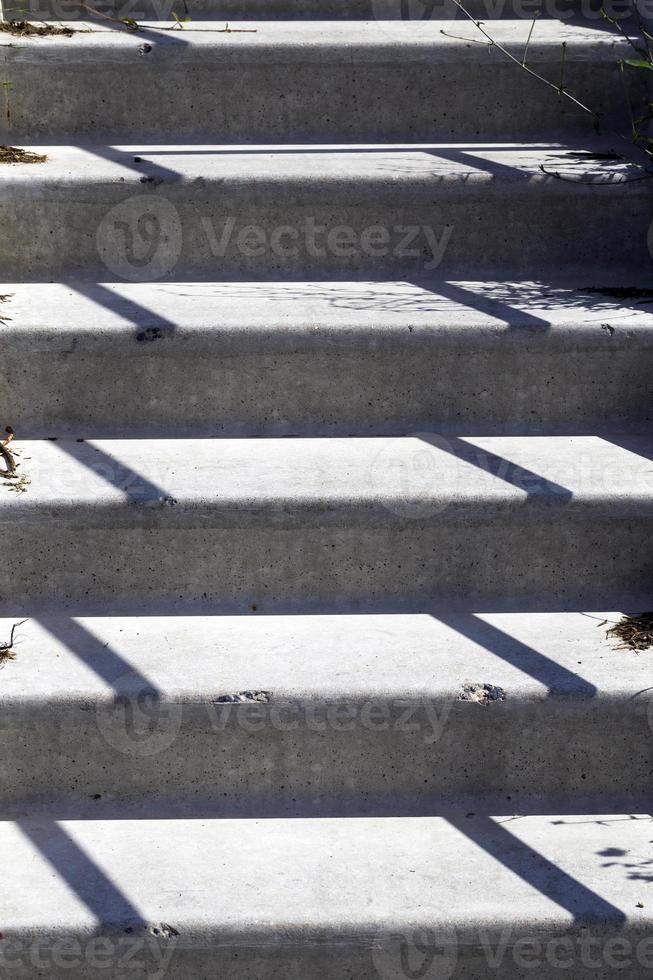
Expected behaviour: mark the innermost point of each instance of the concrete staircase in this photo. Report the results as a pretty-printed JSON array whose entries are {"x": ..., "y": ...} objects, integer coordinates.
[{"x": 327, "y": 344}]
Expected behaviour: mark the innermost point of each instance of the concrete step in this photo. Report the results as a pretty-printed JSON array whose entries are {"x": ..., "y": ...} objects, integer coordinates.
[
  {"x": 383, "y": 522},
  {"x": 463, "y": 894},
  {"x": 307, "y": 713},
  {"x": 322, "y": 358},
  {"x": 274, "y": 81},
  {"x": 402, "y": 12},
  {"x": 146, "y": 213}
]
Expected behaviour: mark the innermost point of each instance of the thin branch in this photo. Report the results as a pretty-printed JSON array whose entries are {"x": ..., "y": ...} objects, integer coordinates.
[
  {"x": 526, "y": 68},
  {"x": 468, "y": 40},
  {"x": 528, "y": 41}
]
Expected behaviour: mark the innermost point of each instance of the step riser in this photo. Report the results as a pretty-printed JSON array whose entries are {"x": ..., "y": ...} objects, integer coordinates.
[
  {"x": 470, "y": 953},
  {"x": 275, "y": 899},
  {"x": 405, "y": 566},
  {"x": 299, "y": 755},
  {"x": 408, "y": 229},
  {"x": 147, "y": 98},
  {"x": 401, "y": 10},
  {"x": 149, "y": 390}
]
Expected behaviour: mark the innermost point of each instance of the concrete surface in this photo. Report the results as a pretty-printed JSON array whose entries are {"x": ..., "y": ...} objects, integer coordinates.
[
  {"x": 226, "y": 212},
  {"x": 272, "y": 81},
  {"x": 336, "y": 711},
  {"x": 198, "y": 898},
  {"x": 337, "y": 483},
  {"x": 184, "y": 595},
  {"x": 320, "y": 10},
  {"x": 321, "y": 521},
  {"x": 321, "y": 358}
]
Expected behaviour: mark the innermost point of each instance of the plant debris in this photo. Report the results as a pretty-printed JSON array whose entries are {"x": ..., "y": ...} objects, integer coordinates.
[
  {"x": 14, "y": 154},
  {"x": 244, "y": 697},
  {"x": 7, "y": 649},
  {"x": 163, "y": 931},
  {"x": 635, "y": 632},
  {"x": 19, "y": 481},
  {"x": 4, "y": 298},
  {"x": 482, "y": 693},
  {"x": 25, "y": 28}
]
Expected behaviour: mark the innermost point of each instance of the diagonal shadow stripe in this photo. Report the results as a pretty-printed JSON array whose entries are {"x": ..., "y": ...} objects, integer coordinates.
[
  {"x": 90, "y": 883},
  {"x": 488, "y": 304},
  {"x": 539, "y": 872},
  {"x": 97, "y": 656},
  {"x": 533, "y": 484},
  {"x": 142, "y": 318},
  {"x": 557, "y": 678},
  {"x": 136, "y": 487}
]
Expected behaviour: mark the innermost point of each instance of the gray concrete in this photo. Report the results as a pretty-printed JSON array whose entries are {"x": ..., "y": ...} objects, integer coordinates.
[
  {"x": 358, "y": 712},
  {"x": 380, "y": 521},
  {"x": 217, "y": 213},
  {"x": 283, "y": 80},
  {"x": 186, "y": 597},
  {"x": 206, "y": 895},
  {"x": 321, "y": 10},
  {"x": 321, "y": 358}
]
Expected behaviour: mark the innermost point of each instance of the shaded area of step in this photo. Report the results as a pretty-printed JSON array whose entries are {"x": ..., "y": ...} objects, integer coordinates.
[
  {"x": 385, "y": 521},
  {"x": 194, "y": 892},
  {"x": 312, "y": 713},
  {"x": 323, "y": 358},
  {"x": 146, "y": 213}
]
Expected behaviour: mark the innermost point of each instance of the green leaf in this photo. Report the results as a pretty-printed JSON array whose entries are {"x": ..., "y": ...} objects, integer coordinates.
[{"x": 636, "y": 63}]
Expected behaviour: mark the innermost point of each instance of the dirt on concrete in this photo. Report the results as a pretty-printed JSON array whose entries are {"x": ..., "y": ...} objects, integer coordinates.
[
  {"x": 634, "y": 632},
  {"x": 14, "y": 154},
  {"x": 25, "y": 28}
]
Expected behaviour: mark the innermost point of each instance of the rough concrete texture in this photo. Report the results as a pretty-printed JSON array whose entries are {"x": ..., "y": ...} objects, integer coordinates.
[
  {"x": 338, "y": 483},
  {"x": 276, "y": 79},
  {"x": 441, "y": 210},
  {"x": 328, "y": 10},
  {"x": 353, "y": 711},
  {"x": 321, "y": 358},
  {"x": 357, "y": 895},
  {"x": 378, "y": 520},
  {"x": 378, "y": 239}
]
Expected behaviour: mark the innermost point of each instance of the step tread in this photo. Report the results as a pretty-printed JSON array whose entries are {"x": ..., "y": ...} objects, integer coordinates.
[
  {"x": 287, "y": 881},
  {"x": 239, "y": 317},
  {"x": 325, "y": 41},
  {"x": 422, "y": 476},
  {"x": 188, "y": 170},
  {"x": 349, "y": 658}
]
